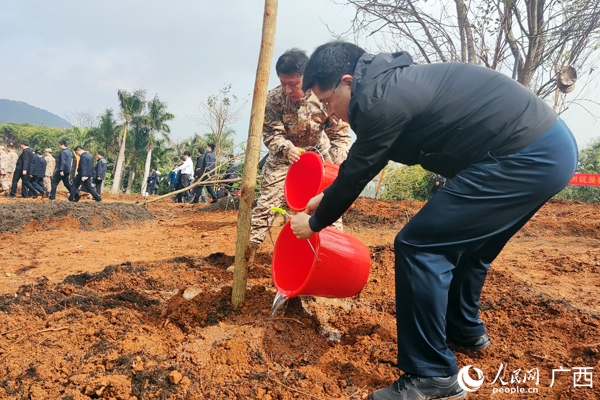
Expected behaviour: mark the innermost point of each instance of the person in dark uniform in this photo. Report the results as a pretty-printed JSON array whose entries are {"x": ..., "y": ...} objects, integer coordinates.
[
  {"x": 151, "y": 181},
  {"x": 84, "y": 176},
  {"x": 231, "y": 173},
  {"x": 22, "y": 172},
  {"x": 507, "y": 153},
  {"x": 38, "y": 171},
  {"x": 199, "y": 190},
  {"x": 63, "y": 169},
  {"x": 208, "y": 164},
  {"x": 440, "y": 181},
  {"x": 99, "y": 171}
]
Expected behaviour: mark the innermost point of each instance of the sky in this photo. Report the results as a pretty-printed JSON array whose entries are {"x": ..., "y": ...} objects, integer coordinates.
[{"x": 67, "y": 55}]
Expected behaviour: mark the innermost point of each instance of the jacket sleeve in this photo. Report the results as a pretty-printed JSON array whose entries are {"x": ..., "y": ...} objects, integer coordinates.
[
  {"x": 274, "y": 135},
  {"x": 338, "y": 133},
  {"x": 367, "y": 156},
  {"x": 27, "y": 162},
  {"x": 101, "y": 170}
]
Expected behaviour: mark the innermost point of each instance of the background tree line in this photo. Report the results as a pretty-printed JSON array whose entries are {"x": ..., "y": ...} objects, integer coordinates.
[{"x": 137, "y": 137}]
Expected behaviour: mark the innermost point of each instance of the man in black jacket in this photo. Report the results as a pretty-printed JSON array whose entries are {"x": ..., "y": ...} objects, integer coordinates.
[
  {"x": 99, "y": 171},
  {"x": 208, "y": 164},
  {"x": 507, "y": 154},
  {"x": 231, "y": 173},
  {"x": 22, "y": 170},
  {"x": 38, "y": 171},
  {"x": 84, "y": 176},
  {"x": 63, "y": 169},
  {"x": 199, "y": 190},
  {"x": 151, "y": 181}
]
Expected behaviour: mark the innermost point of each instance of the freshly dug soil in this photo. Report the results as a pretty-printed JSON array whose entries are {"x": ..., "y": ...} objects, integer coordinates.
[
  {"x": 227, "y": 203},
  {"x": 86, "y": 215}
]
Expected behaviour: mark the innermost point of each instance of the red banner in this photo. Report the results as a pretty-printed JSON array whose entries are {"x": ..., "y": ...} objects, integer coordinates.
[{"x": 585, "y": 180}]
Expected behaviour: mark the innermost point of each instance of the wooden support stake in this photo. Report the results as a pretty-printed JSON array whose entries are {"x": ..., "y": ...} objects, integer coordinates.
[
  {"x": 380, "y": 180},
  {"x": 257, "y": 115}
]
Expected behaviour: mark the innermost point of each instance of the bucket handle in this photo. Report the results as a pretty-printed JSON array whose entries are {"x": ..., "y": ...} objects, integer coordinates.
[
  {"x": 313, "y": 147},
  {"x": 281, "y": 210}
]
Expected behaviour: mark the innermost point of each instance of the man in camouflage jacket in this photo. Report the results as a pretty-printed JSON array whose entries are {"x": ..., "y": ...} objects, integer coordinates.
[
  {"x": 294, "y": 120},
  {"x": 4, "y": 171},
  {"x": 50, "y": 167}
]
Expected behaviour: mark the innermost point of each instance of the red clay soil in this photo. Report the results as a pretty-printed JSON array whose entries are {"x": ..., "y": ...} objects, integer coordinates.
[{"x": 157, "y": 322}]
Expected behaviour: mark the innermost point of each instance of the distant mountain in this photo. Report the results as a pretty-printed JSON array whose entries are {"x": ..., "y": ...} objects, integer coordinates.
[{"x": 20, "y": 112}]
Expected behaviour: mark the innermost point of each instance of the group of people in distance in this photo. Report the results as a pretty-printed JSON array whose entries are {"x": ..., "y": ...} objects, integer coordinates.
[{"x": 40, "y": 175}]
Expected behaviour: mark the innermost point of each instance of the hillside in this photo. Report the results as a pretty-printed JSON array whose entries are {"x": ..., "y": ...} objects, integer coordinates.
[{"x": 20, "y": 112}]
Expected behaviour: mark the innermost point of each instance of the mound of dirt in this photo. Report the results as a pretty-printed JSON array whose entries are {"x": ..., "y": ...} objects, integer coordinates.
[
  {"x": 167, "y": 330},
  {"x": 369, "y": 212},
  {"x": 86, "y": 215},
  {"x": 227, "y": 203}
]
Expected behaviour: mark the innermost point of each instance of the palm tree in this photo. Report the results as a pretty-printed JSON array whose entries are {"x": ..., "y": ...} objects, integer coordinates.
[
  {"x": 132, "y": 105},
  {"x": 156, "y": 120}
]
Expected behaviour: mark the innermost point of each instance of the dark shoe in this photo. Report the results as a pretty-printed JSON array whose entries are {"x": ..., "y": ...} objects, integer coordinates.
[
  {"x": 98, "y": 201},
  {"x": 213, "y": 201},
  {"x": 76, "y": 198},
  {"x": 414, "y": 387},
  {"x": 51, "y": 199},
  {"x": 11, "y": 196},
  {"x": 469, "y": 344},
  {"x": 204, "y": 201},
  {"x": 193, "y": 202}
]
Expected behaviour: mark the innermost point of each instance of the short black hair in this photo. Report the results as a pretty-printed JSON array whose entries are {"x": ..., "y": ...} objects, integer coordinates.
[
  {"x": 292, "y": 62},
  {"x": 231, "y": 156},
  {"x": 25, "y": 142},
  {"x": 186, "y": 153},
  {"x": 101, "y": 153},
  {"x": 211, "y": 145},
  {"x": 201, "y": 150},
  {"x": 182, "y": 158},
  {"x": 329, "y": 63},
  {"x": 39, "y": 153},
  {"x": 63, "y": 142},
  {"x": 78, "y": 148},
  {"x": 10, "y": 146}
]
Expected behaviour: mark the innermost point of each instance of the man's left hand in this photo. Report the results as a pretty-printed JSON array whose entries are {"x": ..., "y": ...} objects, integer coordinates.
[
  {"x": 300, "y": 226},
  {"x": 84, "y": 179}
]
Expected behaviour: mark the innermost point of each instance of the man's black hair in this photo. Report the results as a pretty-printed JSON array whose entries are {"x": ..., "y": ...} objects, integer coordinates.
[
  {"x": 201, "y": 150},
  {"x": 101, "y": 153},
  {"x": 39, "y": 153},
  {"x": 78, "y": 148},
  {"x": 25, "y": 142},
  {"x": 231, "y": 156},
  {"x": 182, "y": 158},
  {"x": 10, "y": 146},
  {"x": 63, "y": 142},
  {"x": 292, "y": 62},
  {"x": 211, "y": 145},
  {"x": 186, "y": 153},
  {"x": 329, "y": 63}
]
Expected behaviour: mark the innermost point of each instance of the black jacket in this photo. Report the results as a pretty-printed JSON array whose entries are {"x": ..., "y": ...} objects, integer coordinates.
[
  {"x": 208, "y": 164},
  {"x": 38, "y": 166},
  {"x": 152, "y": 178},
  {"x": 232, "y": 171},
  {"x": 100, "y": 169},
  {"x": 443, "y": 116},
  {"x": 24, "y": 161},
  {"x": 65, "y": 160},
  {"x": 85, "y": 167},
  {"x": 199, "y": 165}
]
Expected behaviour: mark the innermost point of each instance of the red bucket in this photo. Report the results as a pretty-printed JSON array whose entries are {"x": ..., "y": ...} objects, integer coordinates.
[
  {"x": 342, "y": 271},
  {"x": 306, "y": 178}
]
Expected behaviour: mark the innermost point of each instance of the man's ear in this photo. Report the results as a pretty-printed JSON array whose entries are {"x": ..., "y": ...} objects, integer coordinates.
[{"x": 347, "y": 80}]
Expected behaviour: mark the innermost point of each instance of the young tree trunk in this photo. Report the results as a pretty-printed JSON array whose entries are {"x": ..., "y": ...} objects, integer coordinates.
[
  {"x": 118, "y": 175},
  {"x": 132, "y": 171},
  {"x": 146, "y": 171},
  {"x": 257, "y": 114}
]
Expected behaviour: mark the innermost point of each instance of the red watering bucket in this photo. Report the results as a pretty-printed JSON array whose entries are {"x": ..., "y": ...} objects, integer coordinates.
[
  {"x": 342, "y": 271},
  {"x": 306, "y": 178}
]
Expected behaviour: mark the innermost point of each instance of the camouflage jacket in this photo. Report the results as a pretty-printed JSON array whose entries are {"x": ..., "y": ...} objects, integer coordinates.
[
  {"x": 50, "y": 165},
  {"x": 302, "y": 124},
  {"x": 12, "y": 160},
  {"x": 4, "y": 167}
]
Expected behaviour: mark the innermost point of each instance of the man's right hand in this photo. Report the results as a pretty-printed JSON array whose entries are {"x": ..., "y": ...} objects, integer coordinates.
[
  {"x": 294, "y": 154},
  {"x": 62, "y": 173},
  {"x": 99, "y": 179},
  {"x": 24, "y": 172},
  {"x": 314, "y": 203}
]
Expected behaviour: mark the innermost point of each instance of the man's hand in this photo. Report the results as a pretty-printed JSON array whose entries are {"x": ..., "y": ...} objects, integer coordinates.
[
  {"x": 300, "y": 227},
  {"x": 313, "y": 204},
  {"x": 84, "y": 179},
  {"x": 99, "y": 179},
  {"x": 62, "y": 173},
  {"x": 294, "y": 154}
]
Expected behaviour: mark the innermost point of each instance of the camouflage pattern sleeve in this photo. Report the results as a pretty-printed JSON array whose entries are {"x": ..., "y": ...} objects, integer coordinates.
[
  {"x": 338, "y": 132},
  {"x": 4, "y": 164},
  {"x": 274, "y": 134}
]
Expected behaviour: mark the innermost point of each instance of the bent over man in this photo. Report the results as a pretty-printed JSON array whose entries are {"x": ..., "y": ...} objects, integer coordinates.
[
  {"x": 506, "y": 153},
  {"x": 293, "y": 121}
]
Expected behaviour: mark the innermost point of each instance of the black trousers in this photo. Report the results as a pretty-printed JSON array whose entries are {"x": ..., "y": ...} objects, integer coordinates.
[
  {"x": 38, "y": 184},
  {"x": 27, "y": 188},
  {"x": 442, "y": 263},
  {"x": 185, "y": 182},
  {"x": 56, "y": 179},
  {"x": 98, "y": 184},
  {"x": 87, "y": 184},
  {"x": 209, "y": 188}
]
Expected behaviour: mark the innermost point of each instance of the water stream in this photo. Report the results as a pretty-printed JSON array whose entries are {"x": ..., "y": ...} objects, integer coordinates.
[{"x": 279, "y": 303}]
